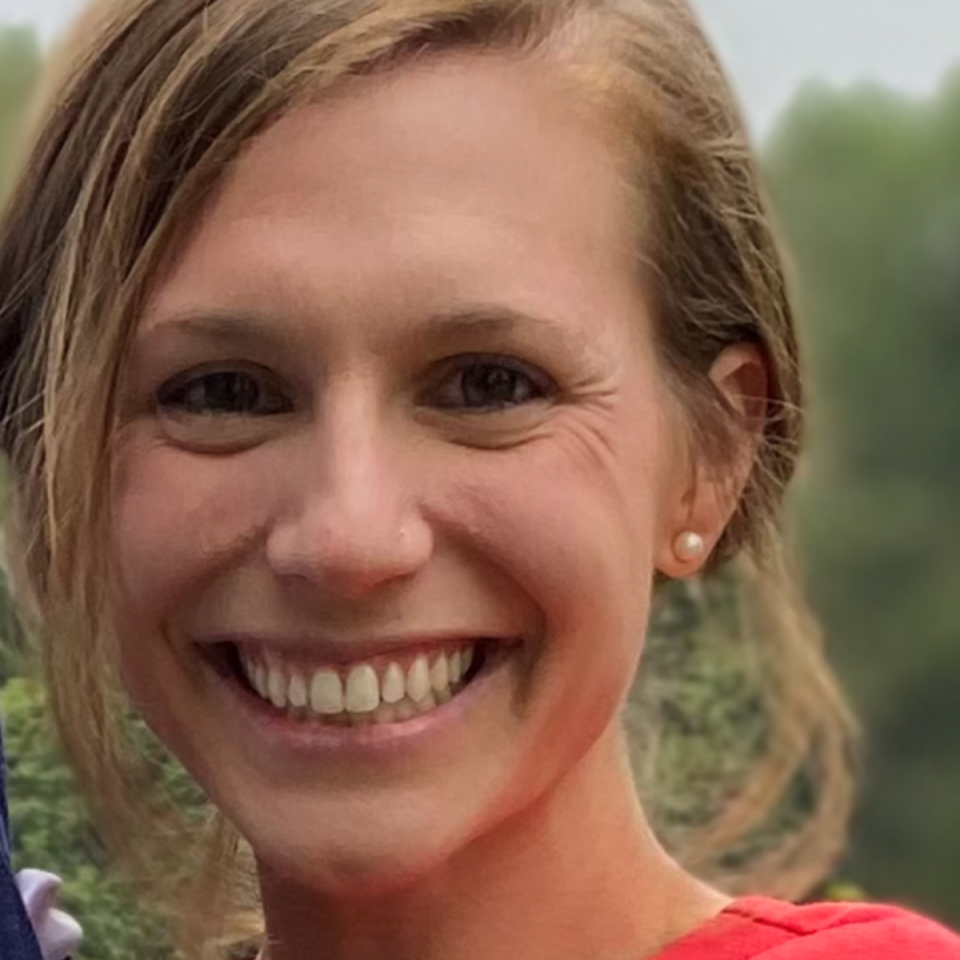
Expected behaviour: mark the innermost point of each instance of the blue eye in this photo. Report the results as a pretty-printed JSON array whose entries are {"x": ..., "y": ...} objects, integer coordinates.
[
  {"x": 491, "y": 383},
  {"x": 222, "y": 393}
]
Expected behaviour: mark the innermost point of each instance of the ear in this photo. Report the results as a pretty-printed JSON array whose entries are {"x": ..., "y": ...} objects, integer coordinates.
[{"x": 716, "y": 479}]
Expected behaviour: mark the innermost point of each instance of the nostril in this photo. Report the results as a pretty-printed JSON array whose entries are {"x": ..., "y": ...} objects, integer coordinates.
[{"x": 349, "y": 562}]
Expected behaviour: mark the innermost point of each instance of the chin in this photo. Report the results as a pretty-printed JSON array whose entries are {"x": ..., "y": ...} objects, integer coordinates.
[{"x": 359, "y": 854}]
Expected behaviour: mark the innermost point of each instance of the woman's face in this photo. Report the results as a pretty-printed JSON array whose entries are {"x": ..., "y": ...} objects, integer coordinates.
[{"x": 396, "y": 466}]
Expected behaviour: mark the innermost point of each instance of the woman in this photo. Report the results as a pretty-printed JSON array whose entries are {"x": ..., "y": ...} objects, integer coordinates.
[{"x": 370, "y": 362}]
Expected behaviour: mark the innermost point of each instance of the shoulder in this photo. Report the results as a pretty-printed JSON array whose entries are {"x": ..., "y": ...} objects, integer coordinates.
[
  {"x": 757, "y": 928},
  {"x": 854, "y": 931}
]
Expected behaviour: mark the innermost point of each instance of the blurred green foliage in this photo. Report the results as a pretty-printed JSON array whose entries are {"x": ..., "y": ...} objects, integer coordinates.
[
  {"x": 19, "y": 69},
  {"x": 52, "y": 832},
  {"x": 867, "y": 189},
  {"x": 867, "y": 192}
]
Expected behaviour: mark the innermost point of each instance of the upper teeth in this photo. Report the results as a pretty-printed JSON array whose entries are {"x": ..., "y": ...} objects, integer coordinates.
[{"x": 362, "y": 689}]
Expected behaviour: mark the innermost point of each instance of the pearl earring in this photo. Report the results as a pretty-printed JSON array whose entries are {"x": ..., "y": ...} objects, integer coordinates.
[{"x": 689, "y": 546}]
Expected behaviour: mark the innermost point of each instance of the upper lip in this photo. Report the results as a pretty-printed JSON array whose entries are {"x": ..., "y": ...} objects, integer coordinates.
[{"x": 331, "y": 650}]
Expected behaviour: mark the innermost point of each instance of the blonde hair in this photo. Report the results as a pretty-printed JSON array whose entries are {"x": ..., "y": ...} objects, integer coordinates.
[{"x": 145, "y": 108}]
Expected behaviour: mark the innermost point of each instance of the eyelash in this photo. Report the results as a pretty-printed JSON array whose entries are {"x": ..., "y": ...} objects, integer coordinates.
[
  {"x": 540, "y": 385},
  {"x": 256, "y": 393},
  {"x": 177, "y": 396}
]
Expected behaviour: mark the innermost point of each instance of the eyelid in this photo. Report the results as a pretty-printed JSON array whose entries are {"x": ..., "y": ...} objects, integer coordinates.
[
  {"x": 185, "y": 377},
  {"x": 164, "y": 405},
  {"x": 526, "y": 367}
]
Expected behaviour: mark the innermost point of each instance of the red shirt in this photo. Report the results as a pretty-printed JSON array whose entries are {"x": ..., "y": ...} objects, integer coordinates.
[{"x": 756, "y": 928}]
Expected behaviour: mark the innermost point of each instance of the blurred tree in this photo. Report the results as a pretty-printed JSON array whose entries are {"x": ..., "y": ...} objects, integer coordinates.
[
  {"x": 867, "y": 189},
  {"x": 14, "y": 653},
  {"x": 52, "y": 832},
  {"x": 19, "y": 69}
]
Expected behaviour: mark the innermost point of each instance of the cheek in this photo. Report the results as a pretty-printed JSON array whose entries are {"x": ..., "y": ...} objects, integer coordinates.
[
  {"x": 571, "y": 520},
  {"x": 176, "y": 518}
]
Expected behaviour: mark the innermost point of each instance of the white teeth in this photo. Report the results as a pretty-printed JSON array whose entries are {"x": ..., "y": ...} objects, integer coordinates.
[
  {"x": 256, "y": 674},
  {"x": 297, "y": 693},
  {"x": 387, "y": 713},
  {"x": 404, "y": 710},
  {"x": 418, "y": 680},
  {"x": 456, "y": 667},
  {"x": 363, "y": 689},
  {"x": 440, "y": 674},
  {"x": 393, "y": 688},
  {"x": 428, "y": 703},
  {"x": 326, "y": 693},
  {"x": 277, "y": 687},
  {"x": 391, "y": 696}
]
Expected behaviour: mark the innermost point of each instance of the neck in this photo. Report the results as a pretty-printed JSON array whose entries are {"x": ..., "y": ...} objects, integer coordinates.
[{"x": 578, "y": 876}]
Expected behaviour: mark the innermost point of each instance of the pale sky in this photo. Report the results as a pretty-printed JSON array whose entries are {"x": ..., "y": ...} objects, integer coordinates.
[{"x": 771, "y": 47}]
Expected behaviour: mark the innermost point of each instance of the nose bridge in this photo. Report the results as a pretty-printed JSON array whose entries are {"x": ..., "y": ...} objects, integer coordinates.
[
  {"x": 364, "y": 483},
  {"x": 352, "y": 519}
]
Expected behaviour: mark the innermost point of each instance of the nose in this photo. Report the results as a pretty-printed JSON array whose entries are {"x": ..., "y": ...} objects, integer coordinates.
[{"x": 352, "y": 521}]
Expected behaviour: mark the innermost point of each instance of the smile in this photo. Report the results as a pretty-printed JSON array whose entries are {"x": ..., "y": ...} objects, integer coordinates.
[{"x": 387, "y": 689}]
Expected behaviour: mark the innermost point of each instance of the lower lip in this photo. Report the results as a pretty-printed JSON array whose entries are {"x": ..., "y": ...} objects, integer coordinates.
[{"x": 278, "y": 732}]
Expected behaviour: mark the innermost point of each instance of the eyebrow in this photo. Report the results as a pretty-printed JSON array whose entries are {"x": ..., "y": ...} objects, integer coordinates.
[
  {"x": 464, "y": 322},
  {"x": 214, "y": 326},
  {"x": 461, "y": 322}
]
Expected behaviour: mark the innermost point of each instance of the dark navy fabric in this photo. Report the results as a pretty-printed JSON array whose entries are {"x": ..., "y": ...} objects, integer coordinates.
[{"x": 17, "y": 941}]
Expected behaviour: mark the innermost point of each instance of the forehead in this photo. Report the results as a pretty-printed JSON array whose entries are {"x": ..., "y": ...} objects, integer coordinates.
[{"x": 463, "y": 169}]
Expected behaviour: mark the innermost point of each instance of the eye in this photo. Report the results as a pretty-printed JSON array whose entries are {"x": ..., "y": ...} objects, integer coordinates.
[
  {"x": 490, "y": 383},
  {"x": 223, "y": 393}
]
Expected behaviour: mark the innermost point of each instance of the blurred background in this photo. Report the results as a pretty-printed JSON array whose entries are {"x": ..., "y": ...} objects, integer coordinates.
[{"x": 855, "y": 110}]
